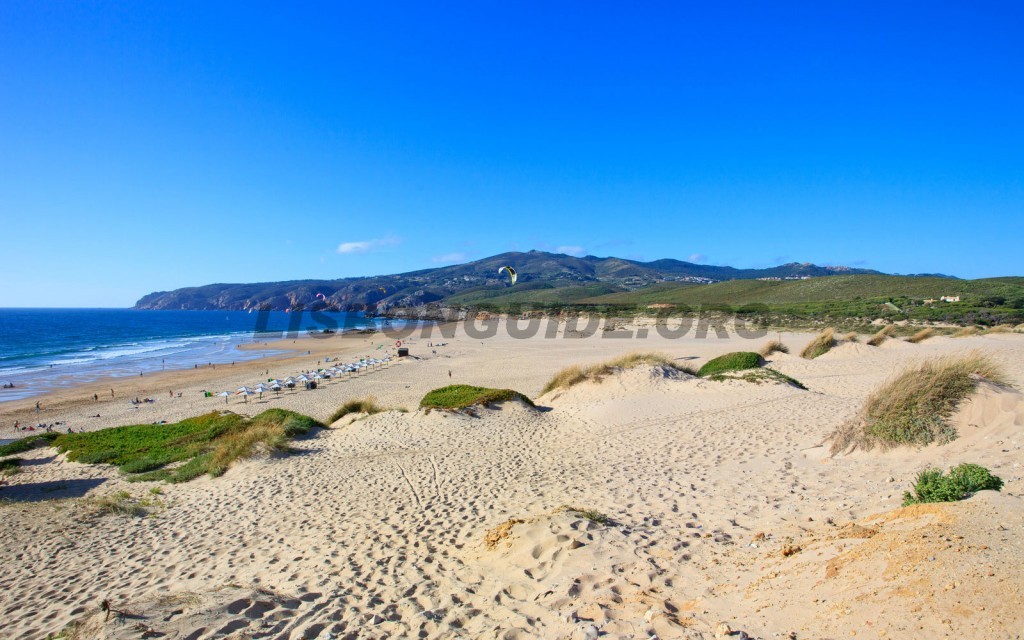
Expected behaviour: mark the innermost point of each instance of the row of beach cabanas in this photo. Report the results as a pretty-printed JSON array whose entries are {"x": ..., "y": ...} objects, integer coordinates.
[{"x": 308, "y": 379}]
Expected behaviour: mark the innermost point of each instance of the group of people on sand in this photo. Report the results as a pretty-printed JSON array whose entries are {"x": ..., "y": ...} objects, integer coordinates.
[{"x": 48, "y": 428}]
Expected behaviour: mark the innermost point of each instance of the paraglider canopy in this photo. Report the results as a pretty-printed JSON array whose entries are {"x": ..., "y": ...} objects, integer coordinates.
[{"x": 511, "y": 272}]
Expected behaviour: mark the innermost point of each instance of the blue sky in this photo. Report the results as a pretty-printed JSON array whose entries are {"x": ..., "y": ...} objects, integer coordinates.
[{"x": 147, "y": 147}]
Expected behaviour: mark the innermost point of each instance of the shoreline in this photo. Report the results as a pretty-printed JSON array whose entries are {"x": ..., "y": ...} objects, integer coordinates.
[{"x": 284, "y": 357}]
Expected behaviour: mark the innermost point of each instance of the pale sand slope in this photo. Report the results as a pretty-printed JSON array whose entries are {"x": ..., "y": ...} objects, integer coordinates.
[{"x": 377, "y": 529}]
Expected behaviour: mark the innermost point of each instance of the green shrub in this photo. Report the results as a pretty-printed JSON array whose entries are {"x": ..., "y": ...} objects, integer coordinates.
[
  {"x": 461, "y": 396},
  {"x": 9, "y": 466},
  {"x": 736, "y": 361},
  {"x": 962, "y": 482}
]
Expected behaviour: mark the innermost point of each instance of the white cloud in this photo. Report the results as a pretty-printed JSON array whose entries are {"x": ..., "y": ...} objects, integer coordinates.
[
  {"x": 699, "y": 258},
  {"x": 362, "y": 246},
  {"x": 455, "y": 256},
  {"x": 572, "y": 250}
]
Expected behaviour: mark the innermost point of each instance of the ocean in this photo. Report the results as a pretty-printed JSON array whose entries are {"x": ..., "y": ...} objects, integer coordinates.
[{"x": 46, "y": 349}]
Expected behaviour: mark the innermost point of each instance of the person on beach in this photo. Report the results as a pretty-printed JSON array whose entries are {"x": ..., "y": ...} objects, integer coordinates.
[
  {"x": 111, "y": 393},
  {"x": 95, "y": 398},
  {"x": 449, "y": 374},
  {"x": 170, "y": 393}
]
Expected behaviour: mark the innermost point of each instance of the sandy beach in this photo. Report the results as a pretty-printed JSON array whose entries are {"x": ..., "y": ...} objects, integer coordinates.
[{"x": 726, "y": 515}]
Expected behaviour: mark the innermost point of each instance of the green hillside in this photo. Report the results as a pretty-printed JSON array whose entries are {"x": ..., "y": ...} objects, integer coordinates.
[
  {"x": 993, "y": 299},
  {"x": 531, "y": 294}
]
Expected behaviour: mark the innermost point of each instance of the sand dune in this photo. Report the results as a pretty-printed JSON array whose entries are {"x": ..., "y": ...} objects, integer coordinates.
[{"x": 722, "y": 503}]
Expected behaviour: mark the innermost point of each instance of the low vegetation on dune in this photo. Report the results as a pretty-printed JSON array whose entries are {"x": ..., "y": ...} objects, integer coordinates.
[
  {"x": 773, "y": 346},
  {"x": 362, "y": 405},
  {"x": 207, "y": 444},
  {"x": 821, "y": 345},
  {"x": 575, "y": 374},
  {"x": 464, "y": 396},
  {"x": 1000, "y": 328},
  {"x": 735, "y": 361},
  {"x": 9, "y": 466},
  {"x": 27, "y": 444},
  {"x": 921, "y": 335},
  {"x": 962, "y": 482},
  {"x": 914, "y": 407},
  {"x": 851, "y": 337},
  {"x": 745, "y": 366},
  {"x": 758, "y": 376},
  {"x": 883, "y": 334},
  {"x": 965, "y": 332}
]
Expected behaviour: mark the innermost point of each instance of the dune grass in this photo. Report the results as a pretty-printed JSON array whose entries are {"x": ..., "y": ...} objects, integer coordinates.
[
  {"x": 735, "y": 361},
  {"x": 999, "y": 328},
  {"x": 575, "y": 374},
  {"x": 360, "y": 405},
  {"x": 821, "y": 345},
  {"x": 773, "y": 346},
  {"x": 206, "y": 444},
  {"x": 850, "y": 337},
  {"x": 921, "y": 335},
  {"x": 914, "y": 407},
  {"x": 962, "y": 482},
  {"x": 965, "y": 332},
  {"x": 883, "y": 334},
  {"x": 464, "y": 396}
]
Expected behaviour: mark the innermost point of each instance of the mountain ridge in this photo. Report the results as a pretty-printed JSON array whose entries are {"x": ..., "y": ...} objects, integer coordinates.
[{"x": 536, "y": 269}]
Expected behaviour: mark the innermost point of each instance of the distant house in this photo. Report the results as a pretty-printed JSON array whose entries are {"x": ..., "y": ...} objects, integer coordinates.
[{"x": 950, "y": 298}]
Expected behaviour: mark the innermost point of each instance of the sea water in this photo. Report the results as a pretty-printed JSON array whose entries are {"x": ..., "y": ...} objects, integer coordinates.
[{"x": 46, "y": 349}]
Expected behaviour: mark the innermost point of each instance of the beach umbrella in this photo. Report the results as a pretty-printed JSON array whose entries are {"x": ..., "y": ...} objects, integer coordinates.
[
  {"x": 245, "y": 392},
  {"x": 224, "y": 394}
]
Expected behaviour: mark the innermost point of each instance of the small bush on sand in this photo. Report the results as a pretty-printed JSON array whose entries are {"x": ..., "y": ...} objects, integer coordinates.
[
  {"x": 821, "y": 345},
  {"x": 575, "y": 374},
  {"x": 9, "y": 466},
  {"x": 588, "y": 514},
  {"x": 965, "y": 332},
  {"x": 463, "y": 396},
  {"x": 735, "y": 361},
  {"x": 913, "y": 408},
  {"x": 773, "y": 346},
  {"x": 121, "y": 504},
  {"x": 365, "y": 405},
  {"x": 962, "y": 482},
  {"x": 921, "y": 335},
  {"x": 850, "y": 337},
  {"x": 883, "y": 334}
]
